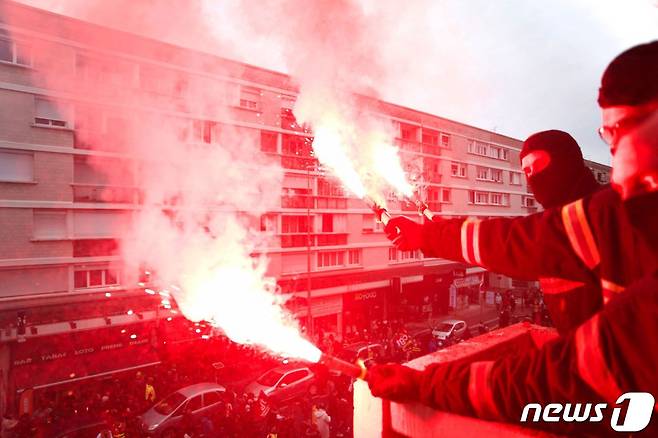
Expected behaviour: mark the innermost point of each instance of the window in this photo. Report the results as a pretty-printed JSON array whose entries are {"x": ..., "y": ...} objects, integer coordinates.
[
  {"x": 194, "y": 404},
  {"x": 268, "y": 142},
  {"x": 370, "y": 224},
  {"x": 15, "y": 52},
  {"x": 204, "y": 131},
  {"x": 250, "y": 98},
  {"x": 16, "y": 166},
  {"x": 487, "y": 198},
  {"x": 328, "y": 223},
  {"x": 515, "y": 178},
  {"x": 430, "y": 137},
  {"x": 408, "y": 132},
  {"x": 295, "y": 224},
  {"x": 482, "y": 173},
  {"x": 354, "y": 257},
  {"x": 331, "y": 258},
  {"x": 497, "y": 175},
  {"x": 268, "y": 222},
  {"x": 95, "y": 277},
  {"x": 445, "y": 195},
  {"x": 49, "y": 224},
  {"x": 529, "y": 202},
  {"x": 50, "y": 113},
  {"x": 330, "y": 188},
  {"x": 478, "y": 197},
  {"x": 210, "y": 398},
  {"x": 445, "y": 141},
  {"x": 296, "y": 145},
  {"x": 458, "y": 170},
  {"x": 392, "y": 255},
  {"x": 293, "y": 377}
]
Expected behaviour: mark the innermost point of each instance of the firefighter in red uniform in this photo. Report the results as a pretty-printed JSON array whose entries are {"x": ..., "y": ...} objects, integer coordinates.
[
  {"x": 557, "y": 175},
  {"x": 587, "y": 242},
  {"x": 556, "y": 172},
  {"x": 609, "y": 236}
]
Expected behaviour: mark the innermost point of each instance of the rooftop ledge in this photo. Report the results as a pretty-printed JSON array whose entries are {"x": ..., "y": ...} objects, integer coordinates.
[{"x": 415, "y": 420}]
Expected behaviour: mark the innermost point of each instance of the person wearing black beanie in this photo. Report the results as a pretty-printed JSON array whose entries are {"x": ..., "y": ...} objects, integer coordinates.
[
  {"x": 555, "y": 169},
  {"x": 628, "y": 98}
]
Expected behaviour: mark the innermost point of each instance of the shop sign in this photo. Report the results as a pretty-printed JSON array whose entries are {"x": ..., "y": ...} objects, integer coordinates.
[
  {"x": 360, "y": 296},
  {"x": 468, "y": 281}
]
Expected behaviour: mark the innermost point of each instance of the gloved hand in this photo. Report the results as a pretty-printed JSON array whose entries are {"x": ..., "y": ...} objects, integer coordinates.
[
  {"x": 394, "y": 382},
  {"x": 405, "y": 233}
]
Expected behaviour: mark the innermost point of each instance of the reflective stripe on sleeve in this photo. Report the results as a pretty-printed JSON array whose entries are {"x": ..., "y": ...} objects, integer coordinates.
[
  {"x": 610, "y": 290},
  {"x": 480, "y": 393},
  {"x": 470, "y": 241},
  {"x": 558, "y": 285},
  {"x": 592, "y": 367},
  {"x": 580, "y": 234}
]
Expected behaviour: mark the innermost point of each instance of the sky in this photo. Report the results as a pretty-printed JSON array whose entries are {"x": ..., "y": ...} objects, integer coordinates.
[{"x": 512, "y": 66}]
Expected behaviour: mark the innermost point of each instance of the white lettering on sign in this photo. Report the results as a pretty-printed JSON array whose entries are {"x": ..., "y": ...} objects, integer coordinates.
[
  {"x": 53, "y": 356},
  {"x": 366, "y": 295},
  {"x": 111, "y": 346}
]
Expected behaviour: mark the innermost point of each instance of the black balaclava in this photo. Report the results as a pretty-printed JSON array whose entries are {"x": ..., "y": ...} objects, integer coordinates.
[{"x": 566, "y": 178}]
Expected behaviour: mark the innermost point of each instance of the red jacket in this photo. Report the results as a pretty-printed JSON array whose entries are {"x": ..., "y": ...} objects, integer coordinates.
[
  {"x": 583, "y": 253},
  {"x": 612, "y": 353}
]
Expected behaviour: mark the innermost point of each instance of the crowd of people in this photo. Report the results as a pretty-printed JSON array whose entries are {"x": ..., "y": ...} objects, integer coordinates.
[{"x": 115, "y": 403}]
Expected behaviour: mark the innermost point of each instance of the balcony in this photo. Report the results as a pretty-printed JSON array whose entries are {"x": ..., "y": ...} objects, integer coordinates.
[
  {"x": 298, "y": 162},
  {"x": 105, "y": 194},
  {"x": 408, "y": 145},
  {"x": 313, "y": 202},
  {"x": 299, "y": 240},
  {"x": 430, "y": 149},
  {"x": 432, "y": 177},
  {"x": 375, "y": 418}
]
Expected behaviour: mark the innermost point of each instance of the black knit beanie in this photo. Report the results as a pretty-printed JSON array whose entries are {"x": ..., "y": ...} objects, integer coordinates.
[{"x": 631, "y": 78}]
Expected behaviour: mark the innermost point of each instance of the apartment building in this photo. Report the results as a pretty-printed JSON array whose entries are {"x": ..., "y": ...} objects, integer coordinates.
[{"x": 60, "y": 270}]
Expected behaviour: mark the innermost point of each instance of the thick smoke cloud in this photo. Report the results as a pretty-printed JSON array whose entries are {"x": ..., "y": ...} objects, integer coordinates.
[{"x": 164, "y": 137}]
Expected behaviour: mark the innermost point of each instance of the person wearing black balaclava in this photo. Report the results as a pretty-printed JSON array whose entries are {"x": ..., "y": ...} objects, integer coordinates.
[
  {"x": 557, "y": 175},
  {"x": 553, "y": 164},
  {"x": 611, "y": 359}
]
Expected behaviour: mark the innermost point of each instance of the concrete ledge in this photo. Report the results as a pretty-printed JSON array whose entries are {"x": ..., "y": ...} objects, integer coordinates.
[{"x": 372, "y": 417}]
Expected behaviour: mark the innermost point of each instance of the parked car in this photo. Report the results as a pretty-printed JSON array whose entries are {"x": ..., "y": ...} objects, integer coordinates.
[
  {"x": 368, "y": 352},
  {"x": 453, "y": 329},
  {"x": 284, "y": 383},
  {"x": 164, "y": 420}
]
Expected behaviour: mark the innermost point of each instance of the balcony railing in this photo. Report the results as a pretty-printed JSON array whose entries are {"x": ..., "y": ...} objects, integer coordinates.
[
  {"x": 432, "y": 177},
  {"x": 106, "y": 194},
  {"x": 297, "y": 201},
  {"x": 299, "y": 240},
  {"x": 408, "y": 145},
  {"x": 298, "y": 163},
  {"x": 313, "y": 202},
  {"x": 430, "y": 149}
]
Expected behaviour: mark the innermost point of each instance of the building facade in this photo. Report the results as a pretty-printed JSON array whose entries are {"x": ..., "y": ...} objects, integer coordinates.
[{"x": 60, "y": 270}]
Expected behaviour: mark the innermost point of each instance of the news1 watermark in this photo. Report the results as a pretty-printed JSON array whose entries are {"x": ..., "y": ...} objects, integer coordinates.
[{"x": 638, "y": 407}]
